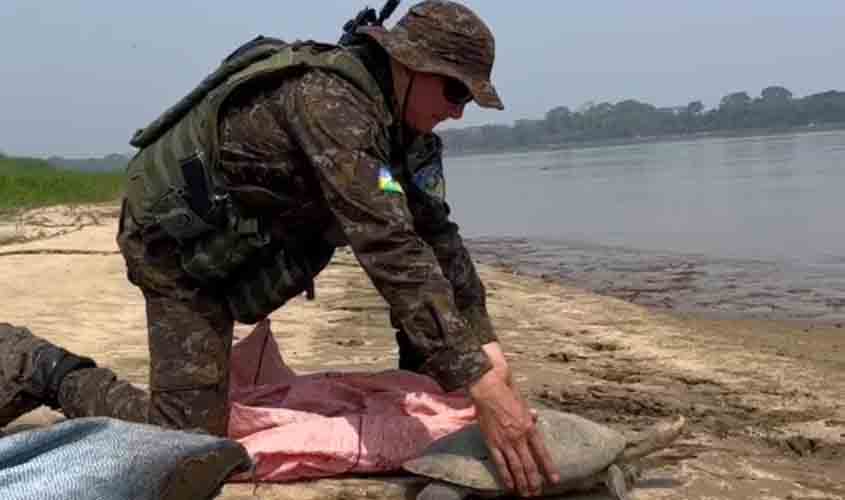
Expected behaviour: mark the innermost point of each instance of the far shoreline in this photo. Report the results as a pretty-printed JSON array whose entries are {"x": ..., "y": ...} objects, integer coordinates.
[{"x": 632, "y": 141}]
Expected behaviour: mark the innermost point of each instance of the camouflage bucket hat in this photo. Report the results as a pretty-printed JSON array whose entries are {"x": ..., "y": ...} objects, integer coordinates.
[{"x": 444, "y": 38}]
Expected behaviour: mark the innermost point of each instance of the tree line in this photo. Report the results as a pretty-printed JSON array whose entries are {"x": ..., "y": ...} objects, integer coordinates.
[
  {"x": 108, "y": 163},
  {"x": 774, "y": 109}
]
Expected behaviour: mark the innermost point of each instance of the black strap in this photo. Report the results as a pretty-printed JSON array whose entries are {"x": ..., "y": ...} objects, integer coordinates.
[{"x": 199, "y": 194}]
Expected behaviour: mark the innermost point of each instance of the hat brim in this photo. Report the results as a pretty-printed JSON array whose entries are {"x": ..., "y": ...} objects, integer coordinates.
[{"x": 401, "y": 48}]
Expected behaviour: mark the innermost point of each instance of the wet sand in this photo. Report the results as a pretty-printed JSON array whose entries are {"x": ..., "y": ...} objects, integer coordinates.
[
  {"x": 763, "y": 397},
  {"x": 811, "y": 295}
]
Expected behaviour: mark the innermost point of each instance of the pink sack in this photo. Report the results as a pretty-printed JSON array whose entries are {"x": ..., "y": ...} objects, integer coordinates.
[{"x": 325, "y": 424}]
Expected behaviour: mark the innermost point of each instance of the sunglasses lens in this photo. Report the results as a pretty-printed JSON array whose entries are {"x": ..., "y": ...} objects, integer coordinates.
[{"x": 456, "y": 92}]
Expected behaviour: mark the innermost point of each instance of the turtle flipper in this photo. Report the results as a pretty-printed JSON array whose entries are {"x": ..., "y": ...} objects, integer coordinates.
[
  {"x": 616, "y": 483},
  {"x": 656, "y": 438},
  {"x": 437, "y": 490}
]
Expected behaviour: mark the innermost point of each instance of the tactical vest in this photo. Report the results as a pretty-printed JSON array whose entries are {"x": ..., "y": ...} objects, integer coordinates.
[{"x": 173, "y": 180}]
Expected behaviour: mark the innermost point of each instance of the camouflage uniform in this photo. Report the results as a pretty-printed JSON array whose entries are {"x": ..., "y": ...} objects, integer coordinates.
[{"x": 320, "y": 142}]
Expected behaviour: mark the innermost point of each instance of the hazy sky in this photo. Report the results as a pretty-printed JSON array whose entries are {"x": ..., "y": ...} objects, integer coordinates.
[{"x": 79, "y": 76}]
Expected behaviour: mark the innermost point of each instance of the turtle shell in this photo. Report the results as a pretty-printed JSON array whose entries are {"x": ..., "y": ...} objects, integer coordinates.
[{"x": 580, "y": 448}]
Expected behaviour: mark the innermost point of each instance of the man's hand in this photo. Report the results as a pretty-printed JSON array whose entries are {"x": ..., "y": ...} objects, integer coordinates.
[{"x": 508, "y": 427}]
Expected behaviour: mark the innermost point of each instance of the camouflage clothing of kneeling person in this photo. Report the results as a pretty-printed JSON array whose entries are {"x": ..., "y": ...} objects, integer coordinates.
[{"x": 240, "y": 194}]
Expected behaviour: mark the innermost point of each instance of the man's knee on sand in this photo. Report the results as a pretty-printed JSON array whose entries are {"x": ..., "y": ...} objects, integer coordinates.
[{"x": 35, "y": 372}]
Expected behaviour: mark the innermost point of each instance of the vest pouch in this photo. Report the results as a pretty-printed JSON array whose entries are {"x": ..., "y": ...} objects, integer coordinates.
[
  {"x": 177, "y": 218},
  {"x": 220, "y": 254}
]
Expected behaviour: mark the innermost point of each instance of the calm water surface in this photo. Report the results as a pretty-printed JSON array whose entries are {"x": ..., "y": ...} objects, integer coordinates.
[{"x": 749, "y": 226}]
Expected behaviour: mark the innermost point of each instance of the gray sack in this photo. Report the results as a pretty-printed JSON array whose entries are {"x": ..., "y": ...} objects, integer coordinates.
[{"x": 107, "y": 459}]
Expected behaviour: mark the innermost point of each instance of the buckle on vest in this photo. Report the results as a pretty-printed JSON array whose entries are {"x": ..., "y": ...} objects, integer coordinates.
[{"x": 182, "y": 223}]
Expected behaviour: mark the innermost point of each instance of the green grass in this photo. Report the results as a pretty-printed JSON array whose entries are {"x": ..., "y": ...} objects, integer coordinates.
[{"x": 28, "y": 183}]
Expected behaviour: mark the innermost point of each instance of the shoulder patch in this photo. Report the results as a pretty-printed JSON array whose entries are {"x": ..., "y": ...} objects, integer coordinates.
[
  {"x": 387, "y": 183},
  {"x": 430, "y": 180}
]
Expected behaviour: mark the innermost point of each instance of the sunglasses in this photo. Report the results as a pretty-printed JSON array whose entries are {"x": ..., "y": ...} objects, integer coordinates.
[{"x": 456, "y": 92}]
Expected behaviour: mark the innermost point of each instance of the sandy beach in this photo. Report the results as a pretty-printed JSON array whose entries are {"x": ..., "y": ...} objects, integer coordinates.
[{"x": 763, "y": 398}]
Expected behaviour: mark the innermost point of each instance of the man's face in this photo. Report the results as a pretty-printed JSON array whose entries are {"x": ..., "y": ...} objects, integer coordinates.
[{"x": 434, "y": 99}]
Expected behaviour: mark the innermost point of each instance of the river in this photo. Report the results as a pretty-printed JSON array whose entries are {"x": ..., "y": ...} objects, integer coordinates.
[{"x": 746, "y": 227}]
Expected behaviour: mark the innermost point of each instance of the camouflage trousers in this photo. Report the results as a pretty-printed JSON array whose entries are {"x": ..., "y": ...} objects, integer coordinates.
[
  {"x": 190, "y": 338},
  {"x": 190, "y": 330}
]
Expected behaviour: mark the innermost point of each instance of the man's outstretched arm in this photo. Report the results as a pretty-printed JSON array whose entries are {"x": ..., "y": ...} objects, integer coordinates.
[
  {"x": 341, "y": 132},
  {"x": 338, "y": 128}
]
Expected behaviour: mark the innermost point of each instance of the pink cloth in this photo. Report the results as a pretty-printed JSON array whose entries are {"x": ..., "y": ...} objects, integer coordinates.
[{"x": 325, "y": 424}]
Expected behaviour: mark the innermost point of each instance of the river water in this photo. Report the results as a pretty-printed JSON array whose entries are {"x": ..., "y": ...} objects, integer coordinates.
[{"x": 746, "y": 227}]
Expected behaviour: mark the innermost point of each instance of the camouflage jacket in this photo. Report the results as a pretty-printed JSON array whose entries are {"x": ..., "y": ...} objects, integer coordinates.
[{"x": 319, "y": 141}]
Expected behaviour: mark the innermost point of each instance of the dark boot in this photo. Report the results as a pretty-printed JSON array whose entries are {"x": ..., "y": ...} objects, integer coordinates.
[
  {"x": 31, "y": 370},
  {"x": 409, "y": 357}
]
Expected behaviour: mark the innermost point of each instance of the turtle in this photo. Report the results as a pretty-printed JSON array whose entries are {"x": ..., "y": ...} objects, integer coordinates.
[{"x": 587, "y": 454}]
